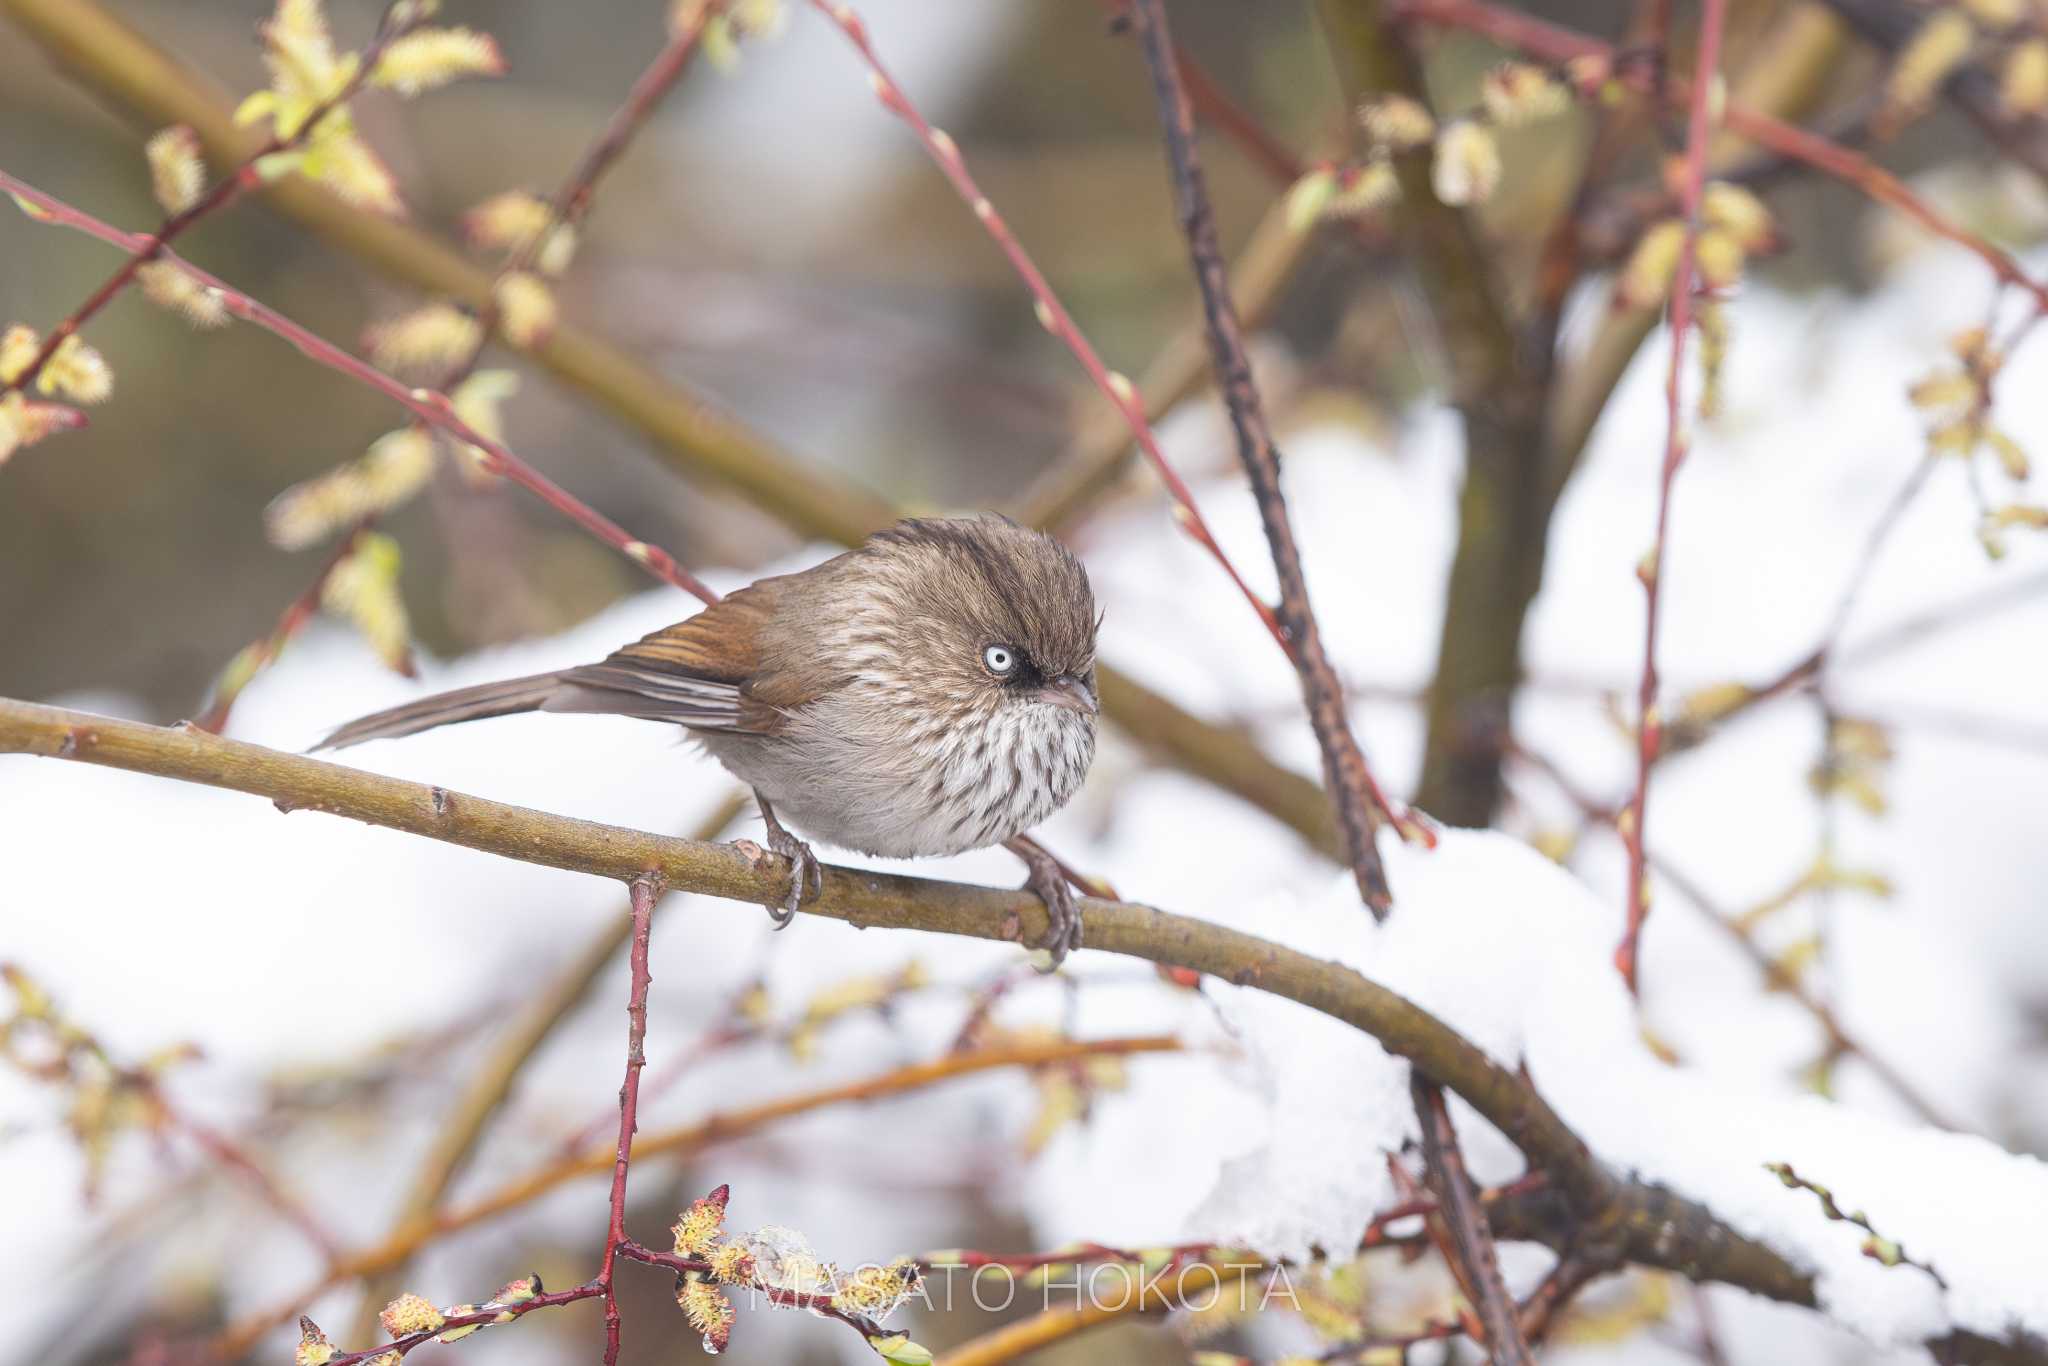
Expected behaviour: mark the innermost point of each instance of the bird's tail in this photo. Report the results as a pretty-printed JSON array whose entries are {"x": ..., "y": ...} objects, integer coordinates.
[{"x": 506, "y": 698}]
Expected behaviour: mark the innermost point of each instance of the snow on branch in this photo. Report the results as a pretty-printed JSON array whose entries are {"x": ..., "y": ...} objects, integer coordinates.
[{"x": 1497, "y": 961}]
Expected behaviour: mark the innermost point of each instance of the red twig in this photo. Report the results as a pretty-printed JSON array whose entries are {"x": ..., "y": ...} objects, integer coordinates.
[
  {"x": 1649, "y": 721},
  {"x": 231, "y": 1154},
  {"x": 147, "y": 248},
  {"x": 1548, "y": 42},
  {"x": 1216, "y": 107},
  {"x": 1051, "y": 313},
  {"x": 428, "y": 405},
  {"x": 573, "y": 197},
  {"x": 622, "y": 1248},
  {"x": 1438, "y": 1234},
  {"x": 646, "y": 891},
  {"x": 69, "y": 1042},
  {"x": 289, "y": 623}
]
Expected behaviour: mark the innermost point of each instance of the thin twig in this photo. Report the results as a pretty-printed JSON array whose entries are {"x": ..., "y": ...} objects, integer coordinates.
[
  {"x": 572, "y": 199},
  {"x": 1547, "y": 42},
  {"x": 483, "y": 1093},
  {"x": 482, "y": 1317},
  {"x": 264, "y": 651},
  {"x": 1052, "y": 314},
  {"x": 429, "y": 406},
  {"x": 1694, "y": 894},
  {"x": 1102, "y": 451},
  {"x": 647, "y": 889},
  {"x": 821, "y": 1305},
  {"x": 231, "y": 1154},
  {"x": 522, "y": 1190},
  {"x": 147, "y": 248},
  {"x": 1649, "y": 719},
  {"x": 1359, "y": 802},
  {"x": 1458, "y": 1206}
]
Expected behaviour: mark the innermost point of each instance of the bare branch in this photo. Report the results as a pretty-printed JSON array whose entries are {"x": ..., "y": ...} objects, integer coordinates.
[
  {"x": 1458, "y": 1203},
  {"x": 1360, "y": 804},
  {"x": 1649, "y": 720}
]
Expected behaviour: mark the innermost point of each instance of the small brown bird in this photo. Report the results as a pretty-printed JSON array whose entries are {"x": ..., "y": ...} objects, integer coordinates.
[{"x": 929, "y": 693}]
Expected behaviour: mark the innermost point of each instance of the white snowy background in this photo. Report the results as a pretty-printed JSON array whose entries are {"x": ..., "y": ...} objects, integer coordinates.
[{"x": 159, "y": 912}]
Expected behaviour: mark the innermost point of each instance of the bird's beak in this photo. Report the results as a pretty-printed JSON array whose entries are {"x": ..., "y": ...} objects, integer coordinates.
[{"x": 1072, "y": 693}]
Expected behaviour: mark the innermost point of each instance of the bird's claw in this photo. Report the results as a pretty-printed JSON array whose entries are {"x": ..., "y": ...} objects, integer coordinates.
[
  {"x": 1048, "y": 882},
  {"x": 806, "y": 874}
]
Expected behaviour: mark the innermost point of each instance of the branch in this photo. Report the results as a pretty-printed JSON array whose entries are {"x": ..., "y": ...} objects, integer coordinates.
[
  {"x": 1775, "y": 977},
  {"x": 521, "y": 1190},
  {"x": 493, "y": 1077},
  {"x": 647, "y": 889},
  {"x": 1649, "y": 720},
  {"x": 1633, "y": 1222},
  {"x": 1052, "y": 314},
  {"x": 1551, "y": 43},
  {"x": 1973, "y": 89},
  {"x": 1360, "y": 804},
  {"x": 1471, "y": 1236},
  {"x": 483, "y": 1317},
  {"x": 217, "y": 197},
  {"x": 426, "y": 405},
  {"x": 861, "y": 897},
  {"x": 1649, "y": 1225}
]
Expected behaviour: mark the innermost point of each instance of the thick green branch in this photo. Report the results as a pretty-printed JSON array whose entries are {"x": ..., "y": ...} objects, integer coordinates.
[{"x": 858, "y": 896}]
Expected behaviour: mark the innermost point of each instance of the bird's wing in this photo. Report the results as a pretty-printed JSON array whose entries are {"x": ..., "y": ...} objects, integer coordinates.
[{"x": 701, "y": 673}]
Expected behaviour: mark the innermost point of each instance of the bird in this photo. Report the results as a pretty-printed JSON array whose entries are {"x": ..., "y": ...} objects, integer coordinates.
[{"x": 929, "y": 692}]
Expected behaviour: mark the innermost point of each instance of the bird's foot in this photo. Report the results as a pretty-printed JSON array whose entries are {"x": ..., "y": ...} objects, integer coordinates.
[
  {"x": 805, "y": 874},
  {"x": 1048, "y": 882}
]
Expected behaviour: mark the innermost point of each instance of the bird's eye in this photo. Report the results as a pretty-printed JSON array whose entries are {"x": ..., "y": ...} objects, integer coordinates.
[{"x": 999, "y": 660}]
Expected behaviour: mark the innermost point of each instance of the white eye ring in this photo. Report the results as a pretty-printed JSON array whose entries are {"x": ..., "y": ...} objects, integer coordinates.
[{"x": 999, "y": 659}]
